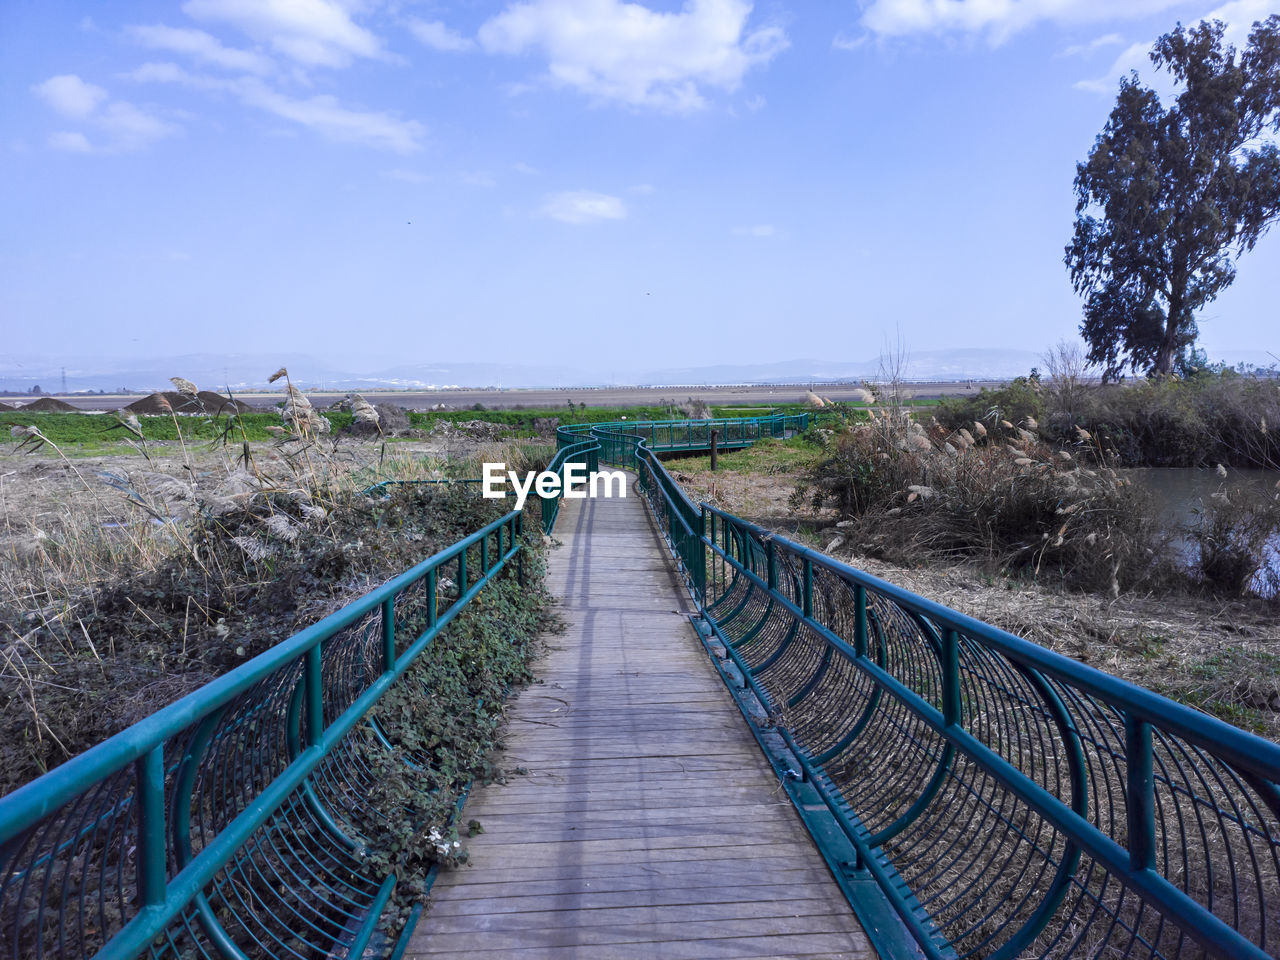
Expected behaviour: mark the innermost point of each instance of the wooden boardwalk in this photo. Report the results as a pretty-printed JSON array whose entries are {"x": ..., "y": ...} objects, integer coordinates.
[{"x": 649, "y": 824}]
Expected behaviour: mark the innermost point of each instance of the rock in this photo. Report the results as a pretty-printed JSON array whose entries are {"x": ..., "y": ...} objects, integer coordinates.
[{"x": 391, "y": 417}]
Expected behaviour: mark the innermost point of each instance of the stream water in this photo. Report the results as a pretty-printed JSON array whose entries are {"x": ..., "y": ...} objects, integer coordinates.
[{"x": 1181, "y": 492}]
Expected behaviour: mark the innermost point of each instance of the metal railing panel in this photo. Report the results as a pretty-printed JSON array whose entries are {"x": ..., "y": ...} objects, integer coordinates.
[
  {"x": 222, "y": 823},
  {"x": 1010, "y": 801},
  {"x": 1032, "y": 805}
]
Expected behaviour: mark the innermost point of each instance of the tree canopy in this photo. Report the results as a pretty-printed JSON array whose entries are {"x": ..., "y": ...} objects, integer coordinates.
[{"x": 1170, "y": 198}]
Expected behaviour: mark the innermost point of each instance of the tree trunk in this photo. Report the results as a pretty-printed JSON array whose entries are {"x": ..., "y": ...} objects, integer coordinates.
[{"x": 1163, "y": 366}]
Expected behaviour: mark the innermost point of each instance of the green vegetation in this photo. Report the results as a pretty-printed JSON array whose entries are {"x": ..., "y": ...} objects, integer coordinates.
[
  {"x": 1209, "y": 418},
  {"x": 113, "y": 650},
  {"x": 443, "y": 718},
  {"x": 1013, "y": 481},
  {"x": 88, "y": 433},
  {"x": 766, "y": 457},
  {"x": 103, "y": 429}
]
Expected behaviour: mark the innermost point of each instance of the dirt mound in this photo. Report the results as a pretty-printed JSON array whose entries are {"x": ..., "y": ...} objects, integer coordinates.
[
  {"x": 206, "y": 402},
  {"x": 47, "y": 405},
  {"x": 6, "y": 408},
  {"x": 217, "y": 404}
]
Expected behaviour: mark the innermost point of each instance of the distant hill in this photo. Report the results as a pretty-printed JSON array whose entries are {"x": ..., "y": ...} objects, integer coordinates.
[{"x": 243, "y": 371}]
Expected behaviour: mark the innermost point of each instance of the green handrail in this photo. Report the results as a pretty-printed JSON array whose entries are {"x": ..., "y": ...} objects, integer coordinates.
[
  {"x": 114, "y": 853},
  {"x": 1008, "y": 801},
  {"x": 995, "y": 798}
]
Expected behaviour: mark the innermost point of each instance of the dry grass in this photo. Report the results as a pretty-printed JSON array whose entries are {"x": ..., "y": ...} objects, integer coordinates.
[{"x": 73, "y": 531}]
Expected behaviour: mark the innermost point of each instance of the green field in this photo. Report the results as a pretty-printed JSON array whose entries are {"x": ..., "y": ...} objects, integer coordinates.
[{"x": 91, "y": 431}]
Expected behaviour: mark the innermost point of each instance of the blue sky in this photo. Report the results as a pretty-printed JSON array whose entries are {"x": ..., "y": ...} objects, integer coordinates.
[{"x": 640, "y": 184}]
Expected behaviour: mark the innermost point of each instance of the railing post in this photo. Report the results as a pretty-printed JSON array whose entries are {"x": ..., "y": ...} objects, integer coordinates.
[
  {"x": 860, "y": 620},
  {"x": 951, "y": 678},
  {"x": 388, "y": 634},
  {"x": 462, "y": 572},
  {"x": 703, "y": 557},
  {"x": 808, "y": 587},
  {"x": 771, "y": 552},
  {"x": 713, "y": 449},
  {"x": 484, "y": 556},
  {"x": 1139, "y": 793},
  {"x": 433, "y": 605},
  {"x": 315, "y": 696},
  {"x": 149, "y": 770}
]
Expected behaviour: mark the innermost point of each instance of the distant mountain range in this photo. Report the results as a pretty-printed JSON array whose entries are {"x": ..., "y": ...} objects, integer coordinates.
[{"x": 249, "y": 372}]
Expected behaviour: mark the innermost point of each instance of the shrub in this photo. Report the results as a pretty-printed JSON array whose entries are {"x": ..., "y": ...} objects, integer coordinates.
[
  {"x": 1234, "y": 537},
  {"x": 1014, "y": 402},
  {"x": 1006, "y": 499}
]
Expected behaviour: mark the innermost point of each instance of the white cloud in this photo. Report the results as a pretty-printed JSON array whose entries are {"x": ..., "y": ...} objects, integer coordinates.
[
  {"x": 479, "y": 178},
  {"x": 71, "y": 96},
  {"x": 524, "y": 168},
  {"x": 406, "y": 176},
  {"x": 843, "y": 41},
  {"x": 315, "y": 33},
  {"x": 1134, "y": 57},
  {"x": 582, "y": 206},
  {"x": 132, "y": 126},
  {"x": 327, "y": 117},
  {"x": 167, "y": 73},
  {"x": 756, "y": 103},
  {"x": 202, "y": 46},
  {"x": 71, "y": 142},
  {"x": 627, "y": 53},
  {"x": 997, "y": 20},
  {"x": 125, "y": 127},
  {"x": 642, "y": 188},
  {"x": 758, "y": 230},
  {"x": 1238, "y": 16},
  {"x": 323, "y": 114},
  {"x": 1084, "y": 49},
  {"x": 437, "y": 36}
]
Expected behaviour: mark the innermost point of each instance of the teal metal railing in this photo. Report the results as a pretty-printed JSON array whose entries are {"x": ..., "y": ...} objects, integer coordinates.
[
  {"x": 974, "y": 794},
  {"x": 220, "y": 826},
  {"x": 1003, "y": 800}
]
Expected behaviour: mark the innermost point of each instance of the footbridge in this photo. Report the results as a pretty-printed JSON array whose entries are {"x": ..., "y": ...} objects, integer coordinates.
[{"x": 738, "y": 747}]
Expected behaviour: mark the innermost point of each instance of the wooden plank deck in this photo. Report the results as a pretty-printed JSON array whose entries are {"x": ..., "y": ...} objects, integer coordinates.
[{"x": 649, "y": 824}]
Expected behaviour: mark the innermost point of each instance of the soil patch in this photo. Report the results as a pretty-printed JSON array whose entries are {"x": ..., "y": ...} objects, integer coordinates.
[
  {"x": 204, "y": 403},
  {"x": 46, "y": 405}
]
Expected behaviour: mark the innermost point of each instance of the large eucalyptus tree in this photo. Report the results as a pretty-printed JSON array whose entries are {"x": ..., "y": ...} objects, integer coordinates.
[{"x": 1171, "y": 197}]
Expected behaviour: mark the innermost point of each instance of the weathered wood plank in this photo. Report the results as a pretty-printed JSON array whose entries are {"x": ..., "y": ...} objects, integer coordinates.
[{"x": 648, "y": 823}]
